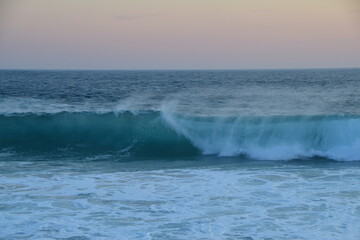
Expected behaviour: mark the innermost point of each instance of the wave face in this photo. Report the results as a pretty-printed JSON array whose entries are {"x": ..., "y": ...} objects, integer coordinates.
[
  {"x": 155, "y": 133},
  {"x": 143, "y": 135}
]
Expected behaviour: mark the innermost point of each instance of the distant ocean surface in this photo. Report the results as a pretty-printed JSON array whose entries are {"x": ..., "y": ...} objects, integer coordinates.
[{"x": 256, "y": 154}]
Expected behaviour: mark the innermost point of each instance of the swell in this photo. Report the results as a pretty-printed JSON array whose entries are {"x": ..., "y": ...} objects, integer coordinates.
[{"x": 154, "y": 133}]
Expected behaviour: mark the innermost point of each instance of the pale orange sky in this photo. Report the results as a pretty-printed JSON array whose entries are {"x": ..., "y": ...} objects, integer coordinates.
[{"x": 179, "y": 34}]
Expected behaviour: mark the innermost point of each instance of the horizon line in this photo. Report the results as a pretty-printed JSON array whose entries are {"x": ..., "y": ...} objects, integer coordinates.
[{"x": 174, "y": 69}]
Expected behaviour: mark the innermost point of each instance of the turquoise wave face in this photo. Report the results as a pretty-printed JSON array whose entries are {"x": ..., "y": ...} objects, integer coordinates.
[
  {"x": 141, "y": 135},
  {"x": 154, "y": 133}
]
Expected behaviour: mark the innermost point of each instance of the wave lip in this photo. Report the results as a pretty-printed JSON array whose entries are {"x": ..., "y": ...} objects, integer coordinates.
[{"x": 155, "y": 133}]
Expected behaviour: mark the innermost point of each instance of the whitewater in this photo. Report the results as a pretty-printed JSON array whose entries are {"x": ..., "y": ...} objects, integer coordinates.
[{"x": 256, "y": 154}]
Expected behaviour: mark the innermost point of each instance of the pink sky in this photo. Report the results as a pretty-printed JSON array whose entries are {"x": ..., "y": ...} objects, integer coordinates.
[{"x": 179, "y": 34}]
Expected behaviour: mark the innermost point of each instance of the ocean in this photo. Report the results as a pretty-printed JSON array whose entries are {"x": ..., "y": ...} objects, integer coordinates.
[{"x": 235, "y": 154}]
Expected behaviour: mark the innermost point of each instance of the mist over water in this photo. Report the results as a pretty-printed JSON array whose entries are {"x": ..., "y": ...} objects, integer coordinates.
[{"x": 179, "y": 154}]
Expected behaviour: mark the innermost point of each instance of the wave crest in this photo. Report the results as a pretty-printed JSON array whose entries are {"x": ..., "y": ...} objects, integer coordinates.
[{"x": 154, "y": 133}]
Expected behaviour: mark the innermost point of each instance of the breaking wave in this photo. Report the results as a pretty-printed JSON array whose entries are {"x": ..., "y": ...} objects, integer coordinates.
[{"x": 162, "y": 133}]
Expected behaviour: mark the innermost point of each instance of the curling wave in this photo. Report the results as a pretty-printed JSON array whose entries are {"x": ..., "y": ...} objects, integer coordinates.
[{"x": 155, "y": 133}]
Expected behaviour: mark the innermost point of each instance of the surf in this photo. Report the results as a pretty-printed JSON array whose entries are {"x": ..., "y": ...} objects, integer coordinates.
[{"x": 169, "y": 134}]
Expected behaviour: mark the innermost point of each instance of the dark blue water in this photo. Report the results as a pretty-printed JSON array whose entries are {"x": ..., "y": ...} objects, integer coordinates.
[
  {"x": 324, "y": 91},
  {"x": 270, "y": 154}
]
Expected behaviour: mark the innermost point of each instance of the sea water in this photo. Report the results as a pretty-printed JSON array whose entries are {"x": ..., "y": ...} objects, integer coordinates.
[{"x": 265, "y": 154}]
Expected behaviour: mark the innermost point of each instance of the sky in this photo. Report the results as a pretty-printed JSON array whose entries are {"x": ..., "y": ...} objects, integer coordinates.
[{"x": 179, "y": 34}]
